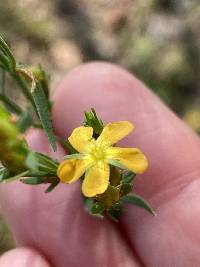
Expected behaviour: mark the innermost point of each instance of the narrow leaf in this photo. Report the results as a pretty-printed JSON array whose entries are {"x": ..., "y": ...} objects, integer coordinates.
[
  {"x": 33, "y": 180},
  {"x": 42, "y": 106},
  {"x": 52, "y": 186},
  {"x": 138, "y": 201},
  {"x": 25, "y": 121},
  {"x": 11, "y": 179},
  {"x": 32, "y": 161},
  {"x": 4, "y": 47},
  {"x": 4, "y": 61},
  {"x": 46, "y": 160}
]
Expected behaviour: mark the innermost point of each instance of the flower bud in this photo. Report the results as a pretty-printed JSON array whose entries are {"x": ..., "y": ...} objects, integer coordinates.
[{"x": 13, "y": 147}]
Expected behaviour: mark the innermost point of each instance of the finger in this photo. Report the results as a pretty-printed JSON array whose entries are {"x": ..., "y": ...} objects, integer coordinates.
[
  {"x": 57, "y": 225},
  {"x": 171, "y": 182},
  {"x": 22, "y": 257},
  {"x": 117, "y": 95}
]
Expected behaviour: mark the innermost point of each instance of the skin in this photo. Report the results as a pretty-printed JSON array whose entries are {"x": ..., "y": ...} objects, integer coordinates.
[{"x": 56, "y": 226}]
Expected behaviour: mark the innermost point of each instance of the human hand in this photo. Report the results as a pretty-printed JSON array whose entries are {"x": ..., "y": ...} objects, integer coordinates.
[{"x": 55, "y": 224}]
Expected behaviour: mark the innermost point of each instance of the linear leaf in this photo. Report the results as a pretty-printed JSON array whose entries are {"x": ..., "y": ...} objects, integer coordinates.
[
  {"x": 33, "y": 180},
  {"x": 6, "y": 50},
  {"x": 32, "y": 161},
  {"x": 25, "y": 121},
  {"x": 42, "y": 107},
  {"x": 138, "y": 201},
  {"x": 17, "y": 177},
  {"x": 52, "y": 186}
]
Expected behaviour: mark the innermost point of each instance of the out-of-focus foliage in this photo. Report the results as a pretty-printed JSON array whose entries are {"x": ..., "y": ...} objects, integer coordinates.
[
  {"x": 6, "y": 239},
  {"x": 158, "y": 40}
]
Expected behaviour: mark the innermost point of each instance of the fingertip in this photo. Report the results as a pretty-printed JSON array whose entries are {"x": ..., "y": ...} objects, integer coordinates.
[{"x": 23, "y": 257}]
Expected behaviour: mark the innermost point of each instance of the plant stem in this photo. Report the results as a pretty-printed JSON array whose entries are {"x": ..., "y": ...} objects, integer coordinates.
[{"x": 12, "y": 105}]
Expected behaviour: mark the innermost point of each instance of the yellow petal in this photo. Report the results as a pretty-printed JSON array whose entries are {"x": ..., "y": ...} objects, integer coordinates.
[
  {"x": 113, "y": 132},
  {"x": 96, "y": 180},
  {"x": 132, "y": 158},
  {"x": 80, "y": 138},
  {"x": 71, "y": 170}
]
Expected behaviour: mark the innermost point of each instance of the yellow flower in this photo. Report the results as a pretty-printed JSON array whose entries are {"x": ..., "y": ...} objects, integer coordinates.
[{"x": 95, "y": 156}]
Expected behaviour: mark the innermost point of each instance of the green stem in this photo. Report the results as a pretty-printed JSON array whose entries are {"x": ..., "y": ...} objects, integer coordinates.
[
  {"x": 37, "y": 125},
  {"x": 12, "y": 105}
]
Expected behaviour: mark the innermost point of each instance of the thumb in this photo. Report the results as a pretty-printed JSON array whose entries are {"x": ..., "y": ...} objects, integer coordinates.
[{"x": 171, "y": 183}]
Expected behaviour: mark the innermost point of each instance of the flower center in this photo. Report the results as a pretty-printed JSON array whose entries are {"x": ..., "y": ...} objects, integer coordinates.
[{"x": 98, "y": 152}]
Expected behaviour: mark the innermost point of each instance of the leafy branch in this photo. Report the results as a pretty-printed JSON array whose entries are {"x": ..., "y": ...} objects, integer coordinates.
[{"x": 33, "y": 84}]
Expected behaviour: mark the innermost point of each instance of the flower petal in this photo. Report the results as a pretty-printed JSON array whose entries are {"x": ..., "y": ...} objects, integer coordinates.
[
  {"x": 80, "y": 138},
  {"x": 71, "y": 170},
  {"x": 113, "y": 132},
  {"x": 96, "y": 180},
  {"x": 132, "y": 158}
]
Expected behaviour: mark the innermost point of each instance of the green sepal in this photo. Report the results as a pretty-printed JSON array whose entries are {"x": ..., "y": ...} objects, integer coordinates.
[
  {"x": 125, "y": 189},
  {"x": 114, "y": 212},
  {"x": 117, "y": 164},
  {"x": 115, "y": 176},
  {"x": 91, "y": 208},
  {"x": 42, "y": 106},
  {"x": 97, "y": 208},
  {"x": 93, "y": 121},
  {"x": 109, "y": 197},
  {"x": 74, "y": 156},
  {"x": 137, "y": 201},
  {"x": 128, "y": 176}
]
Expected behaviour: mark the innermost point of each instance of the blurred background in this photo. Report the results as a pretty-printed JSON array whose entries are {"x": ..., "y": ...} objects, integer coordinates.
[{"x": 157, "y": 40}]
